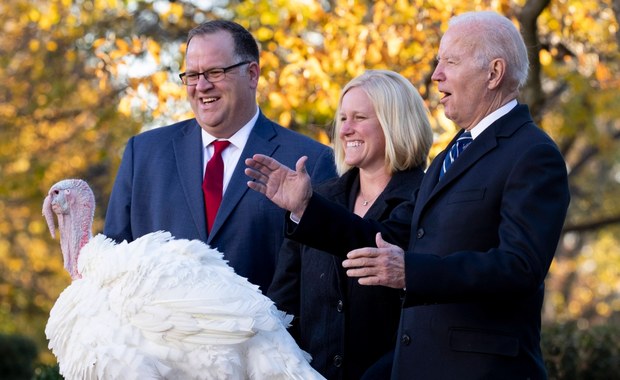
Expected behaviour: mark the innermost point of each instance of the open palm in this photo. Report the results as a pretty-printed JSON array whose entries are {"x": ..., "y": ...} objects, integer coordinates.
[{"x": 287, "y": 188}]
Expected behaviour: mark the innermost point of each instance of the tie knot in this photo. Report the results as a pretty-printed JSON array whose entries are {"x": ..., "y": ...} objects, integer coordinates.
[
  {"x": 463, "y": 141},
  {"x": 457, "y": 148},
  {"x": 466, "y": 136},
  {"x": 220, "y": 145}
]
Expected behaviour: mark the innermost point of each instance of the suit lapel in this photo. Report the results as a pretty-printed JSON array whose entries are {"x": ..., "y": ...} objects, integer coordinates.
[
  {"x": 478, "y": 148},
  {"x": 482, "y": 145},
  {"x": 259, "y": 141},
  {"x": 188, "y": 153}
]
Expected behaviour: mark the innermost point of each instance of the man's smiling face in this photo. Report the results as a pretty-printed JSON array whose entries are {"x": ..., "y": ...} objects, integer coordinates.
[{"x": 223, "y": 107}]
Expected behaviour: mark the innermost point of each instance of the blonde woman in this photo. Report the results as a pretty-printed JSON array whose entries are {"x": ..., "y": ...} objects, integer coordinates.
[{"x": 382, "y": 137}]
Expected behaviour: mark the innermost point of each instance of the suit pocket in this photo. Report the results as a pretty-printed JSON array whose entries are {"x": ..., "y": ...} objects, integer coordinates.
[
  {"x": 467, "y": 196},
  {"x": 485, "y": 342}
]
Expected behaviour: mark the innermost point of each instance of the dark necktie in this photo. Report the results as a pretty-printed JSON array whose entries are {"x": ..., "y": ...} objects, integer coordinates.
[
  {"x": 457, "y": 148},
  {"x": 213, "y": 182}
]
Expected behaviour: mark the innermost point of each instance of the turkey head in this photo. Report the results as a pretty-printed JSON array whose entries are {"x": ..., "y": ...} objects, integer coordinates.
[{"x": 73, "y": 202}]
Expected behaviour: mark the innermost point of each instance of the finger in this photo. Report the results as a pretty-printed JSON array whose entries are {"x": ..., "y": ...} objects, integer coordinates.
[
  {"x": 371, "y": 280},
  {"x": 261, "y": 159},
  {"x": 257, "y": 186},
  {"x": 366, "y": 252},
  {"x": 300, "y": 166},
  {"x": 255, "y": 164},
  {"x": 256, "y": 175},
  {"x": 382, "y": 243},
  {"x": 262, "y": 166},
  {"x": 360, "y": 262},
  {"x": 268, "y": 162},
  {"x": 360, "y": 272}
]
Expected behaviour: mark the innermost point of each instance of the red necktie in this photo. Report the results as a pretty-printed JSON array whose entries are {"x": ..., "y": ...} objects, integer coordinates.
[{"x": 213, "y": 182}]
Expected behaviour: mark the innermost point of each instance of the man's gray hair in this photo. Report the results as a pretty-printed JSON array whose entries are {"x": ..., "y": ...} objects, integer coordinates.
[{"x": 497, "y": 37}]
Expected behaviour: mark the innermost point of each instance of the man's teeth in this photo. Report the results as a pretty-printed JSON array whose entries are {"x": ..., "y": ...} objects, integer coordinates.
[
  {"x": 208, "y": 100},
  {"x": 353, "y": 143}
]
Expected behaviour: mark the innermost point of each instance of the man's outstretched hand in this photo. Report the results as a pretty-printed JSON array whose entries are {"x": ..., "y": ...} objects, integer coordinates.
[{"x": 287, "y": 188}]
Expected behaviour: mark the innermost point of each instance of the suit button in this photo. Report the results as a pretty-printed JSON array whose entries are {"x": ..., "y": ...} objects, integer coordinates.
[
  {"x": 420, "y": 233},
  {"x": 340, "y": 306},
  {"x": 405, "y": 340},
  {"x": 338, "y": 361}
]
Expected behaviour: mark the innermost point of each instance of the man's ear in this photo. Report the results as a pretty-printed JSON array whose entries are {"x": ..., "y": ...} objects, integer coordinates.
[
  {"x": 254, "y": 73},
  {"x": 497, "y": 70}
]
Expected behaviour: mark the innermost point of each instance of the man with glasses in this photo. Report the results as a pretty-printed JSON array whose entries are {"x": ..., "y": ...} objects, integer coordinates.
[{"x": 167, "y": 179}]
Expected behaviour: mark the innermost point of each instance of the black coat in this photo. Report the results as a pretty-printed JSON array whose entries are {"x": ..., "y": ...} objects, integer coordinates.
[{"x": 345, "y": 326}]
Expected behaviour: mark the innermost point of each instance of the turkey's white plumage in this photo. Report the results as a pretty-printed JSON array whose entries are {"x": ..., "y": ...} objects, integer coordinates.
[{"x": 161, "y": 308}]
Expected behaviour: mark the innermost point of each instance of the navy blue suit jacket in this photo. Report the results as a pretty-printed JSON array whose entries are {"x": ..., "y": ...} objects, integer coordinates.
[
  {"x": 158, "y": 187},
  {"x": 481, "y": 243}
]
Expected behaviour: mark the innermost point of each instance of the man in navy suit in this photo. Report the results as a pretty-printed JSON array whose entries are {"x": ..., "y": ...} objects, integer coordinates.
[
  {"x": 159, "y": 182},
  {"x": 485, "y": 223}
]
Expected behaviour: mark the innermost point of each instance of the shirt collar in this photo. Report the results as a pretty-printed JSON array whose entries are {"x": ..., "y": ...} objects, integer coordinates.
[
  {"x": 238, "y": 139},
  {"x": 492, "y": 117}
]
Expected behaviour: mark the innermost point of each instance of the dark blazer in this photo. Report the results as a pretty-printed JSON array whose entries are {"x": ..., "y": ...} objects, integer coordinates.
[
  {"x": 482, "y": 241},
  {"x": 346, "y": 327},
  {"x": 158, "y": 187}
]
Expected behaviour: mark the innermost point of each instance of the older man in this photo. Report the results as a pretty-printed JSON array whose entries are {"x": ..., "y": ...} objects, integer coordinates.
[{"x": 485, "y": 225}]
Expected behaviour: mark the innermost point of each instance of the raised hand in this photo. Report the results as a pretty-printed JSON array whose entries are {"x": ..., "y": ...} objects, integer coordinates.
[
  {"x": 287, "y": 188},
  {"x": 384, "y": 265}
]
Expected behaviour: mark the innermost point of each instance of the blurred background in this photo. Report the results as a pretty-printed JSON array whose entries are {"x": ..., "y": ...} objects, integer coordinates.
[{"x": 79, "y": 77}]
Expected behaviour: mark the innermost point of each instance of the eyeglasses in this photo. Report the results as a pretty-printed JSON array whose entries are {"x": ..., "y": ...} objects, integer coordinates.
[{"x": 213, "y": 75}]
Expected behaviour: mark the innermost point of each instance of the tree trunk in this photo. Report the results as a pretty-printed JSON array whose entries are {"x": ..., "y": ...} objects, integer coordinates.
[{"x": 532, "y": 93}]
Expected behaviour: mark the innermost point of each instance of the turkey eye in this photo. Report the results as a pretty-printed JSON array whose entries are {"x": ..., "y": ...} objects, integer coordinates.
[{"x": 56, "y": 192}]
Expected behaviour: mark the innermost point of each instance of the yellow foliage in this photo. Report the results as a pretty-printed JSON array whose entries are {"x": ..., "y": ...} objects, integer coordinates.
[
  {"x": 264, "y": 34},
  {"x": 154, "y": 48},
  {"x": 545, "y": 57},
  {"x": 373, "y": 54},
  {"x": 123, "y": 47},
  {"x": 124, "y": 106},
  {"x": 285, "y": 118},
  {"x": 34, "y": 14},
  {"x": 99, "y": 42},
  {"x": 34, "y": 45},
  {"x": 20, "y": 165},
  {"x": 276, "y": 100},
  {"x": 7, "y": 111},
  {"x": 176, "y": 10},
  {"x": 159, "y": 78},
  {"x": 269, "y": 19},
  {"x": 51, "y": 46},
  {"x": 323, "y": 137}
]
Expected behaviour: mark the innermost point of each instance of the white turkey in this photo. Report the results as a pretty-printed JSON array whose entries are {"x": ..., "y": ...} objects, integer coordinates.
[{"x": 158, "y": 308}]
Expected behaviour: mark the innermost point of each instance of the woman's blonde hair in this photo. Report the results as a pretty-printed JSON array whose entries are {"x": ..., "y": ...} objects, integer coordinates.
[{"x": 403, "y": 117}]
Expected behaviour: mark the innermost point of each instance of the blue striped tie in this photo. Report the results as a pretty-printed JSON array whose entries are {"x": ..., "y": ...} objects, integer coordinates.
[{"x": 457, "y": 148}]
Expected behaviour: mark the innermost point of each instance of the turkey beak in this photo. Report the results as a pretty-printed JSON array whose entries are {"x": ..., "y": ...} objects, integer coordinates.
[{"x": 48, "y": 213}]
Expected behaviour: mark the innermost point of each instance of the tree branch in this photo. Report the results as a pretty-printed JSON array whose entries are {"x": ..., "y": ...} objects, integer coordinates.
[
  {"x": 532, "y": 91},
  {"x": 593, "y": 224},
  {"x": 615, "y": 5}
]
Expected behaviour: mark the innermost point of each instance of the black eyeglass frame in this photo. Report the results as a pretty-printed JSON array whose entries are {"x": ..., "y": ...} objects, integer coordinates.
[{"x": 220, "y": 74}]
